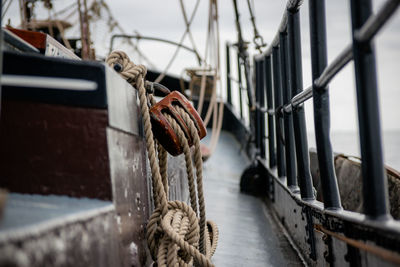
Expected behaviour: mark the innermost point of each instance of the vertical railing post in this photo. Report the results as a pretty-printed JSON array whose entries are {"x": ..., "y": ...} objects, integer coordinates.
[
  {"x": 270, "y": 106},
  {"x": 299, "y": 121},
  {"x": 276, "y": 70},
  {"x": 240, "y": 86},
  {"x": 288, "y": 118},
  {"x": 330, "y": 190},
  {"x": 374, "y": 181},
  {"x": 257, "y": 111},
  {"x": 261, "y": 106},
  {"x": 1, "y": 52},
  {"x": 228, "y": 76},
  {"x": 250, "y": 92}
]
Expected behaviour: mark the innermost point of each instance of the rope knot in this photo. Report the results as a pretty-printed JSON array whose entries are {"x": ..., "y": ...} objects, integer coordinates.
[
  {"x": 119, "y": 61},
  {"x": 174, "y": 238}
]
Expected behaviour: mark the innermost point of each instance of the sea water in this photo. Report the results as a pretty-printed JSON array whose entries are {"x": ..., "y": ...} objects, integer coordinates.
[{"x": 347, "y": 142}]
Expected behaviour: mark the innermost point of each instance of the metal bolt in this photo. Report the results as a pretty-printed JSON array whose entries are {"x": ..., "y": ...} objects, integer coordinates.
[{"x": 118, "y": 67}]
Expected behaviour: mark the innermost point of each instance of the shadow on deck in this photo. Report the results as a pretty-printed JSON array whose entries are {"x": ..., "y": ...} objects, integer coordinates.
[{"x": 248, "y": 235}]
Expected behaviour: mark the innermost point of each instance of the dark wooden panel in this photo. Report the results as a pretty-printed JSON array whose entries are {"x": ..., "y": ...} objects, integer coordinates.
[
  {"x": 37, "y": 39},
  {"x": 53, "y": 67},
  {"x": 53, "y": 149}
]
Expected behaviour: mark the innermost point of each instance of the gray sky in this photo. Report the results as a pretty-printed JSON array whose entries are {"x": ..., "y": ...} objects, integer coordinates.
[{"x": 163, "y": 19}]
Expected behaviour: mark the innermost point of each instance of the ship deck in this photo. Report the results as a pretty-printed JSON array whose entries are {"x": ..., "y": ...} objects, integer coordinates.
[{"x": 247, "y": 236}]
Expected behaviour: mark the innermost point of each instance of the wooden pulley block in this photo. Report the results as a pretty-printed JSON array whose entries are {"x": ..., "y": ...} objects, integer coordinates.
[{"x": 162, "y": 129}]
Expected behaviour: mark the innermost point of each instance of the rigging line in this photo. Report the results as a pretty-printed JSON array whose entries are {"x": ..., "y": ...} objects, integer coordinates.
[
  {"x": 60, "y": 27},
  {"x": 7, "y": 7},
  {"x": 206, "y": 54},
  {"x": 215, "y": 138},
  {"x": 216, "y": 75},
  {"x": 188, "y": 27},
  {"x": 65, "y": 9},
  {"x": 162, "y": 75},
  {"x": 215, "y": 109},
  {"x": 110, "y": 15},
  {"x": 216, "y": 131},
  {"x": 257, "y": 39},
  {"x": 71, "y": 13}
]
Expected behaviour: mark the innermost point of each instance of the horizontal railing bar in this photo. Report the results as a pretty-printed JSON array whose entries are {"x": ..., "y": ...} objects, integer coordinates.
[
  {"x": 332, "y": 69},
  {"x": 299, "y": 99},
  {"x": 292, "y": 6},
  {"x": 366, "y": 33},
  {"x": 327, "y": 75},
  {"x": 268, "y": 111},
  {"x": 265, "y": 110},
  {"x": 376, "y": 21},
  {"x": 237, "y": 81}
]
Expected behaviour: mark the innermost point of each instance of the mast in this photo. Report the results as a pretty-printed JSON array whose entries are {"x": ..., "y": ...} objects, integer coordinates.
[
  {"x": 25, "y": 14},
  {"x": 85, "y": 31}
]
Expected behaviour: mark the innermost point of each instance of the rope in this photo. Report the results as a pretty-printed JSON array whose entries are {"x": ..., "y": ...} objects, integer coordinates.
[
  {"x": 257, "y": 40},
  {"x": 177, "y": 234},
  {"x": 213, "y": 110}
]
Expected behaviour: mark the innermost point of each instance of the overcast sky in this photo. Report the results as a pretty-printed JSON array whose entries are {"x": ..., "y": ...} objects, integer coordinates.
[{"x": 163, "y": 19}]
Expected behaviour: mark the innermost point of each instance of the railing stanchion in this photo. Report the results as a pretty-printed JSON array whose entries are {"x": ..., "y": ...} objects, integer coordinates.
[
  {"x": 257, "y": 125},
  {"x": 374, "y": 181},
  {"x": 280, "y": 154},
  {"x": 299, "y": 121},
  {"x": 330, "y": 190},
  {"x": 261, "y": 102},
  {"x": 270, "y": 106},
  {"x": 240, "y": 86},
  {"x": 228, "y": 75},
  {"x": 288, "y": 118}
]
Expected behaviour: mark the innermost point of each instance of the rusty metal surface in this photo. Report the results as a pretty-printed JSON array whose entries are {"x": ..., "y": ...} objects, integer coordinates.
[
  {"x": 88, "y": 237},
  {"x": 54, "y": 149}
]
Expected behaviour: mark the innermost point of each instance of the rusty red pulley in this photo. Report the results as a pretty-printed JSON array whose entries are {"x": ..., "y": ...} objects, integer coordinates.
[{"x": 162, "y": 129}]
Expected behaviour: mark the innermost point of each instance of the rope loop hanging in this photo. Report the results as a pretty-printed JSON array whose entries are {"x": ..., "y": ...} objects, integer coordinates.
[{"x": 177, "y": 234}]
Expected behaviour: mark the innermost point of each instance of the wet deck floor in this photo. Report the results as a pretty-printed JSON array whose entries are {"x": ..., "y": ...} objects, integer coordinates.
[{"x": 248, "y": 236}]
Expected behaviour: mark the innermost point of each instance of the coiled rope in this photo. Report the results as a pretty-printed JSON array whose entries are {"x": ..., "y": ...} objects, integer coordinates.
[{"x": 177, "y": 234}]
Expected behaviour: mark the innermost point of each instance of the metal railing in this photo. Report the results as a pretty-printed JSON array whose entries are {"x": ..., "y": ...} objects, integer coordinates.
[
  {"x": 279, "y": 95},
  {"x": 241, "y": 68}
]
